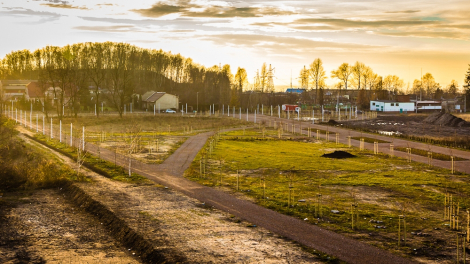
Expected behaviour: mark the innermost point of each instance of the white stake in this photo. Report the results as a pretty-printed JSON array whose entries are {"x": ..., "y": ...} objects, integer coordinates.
[
  {"x": 255, "y": 116},
  {"x": 71, "y": 135},
  {"x": 154, "y": 109},
  {"x": 60, "y": 130},
  {"x": 52, "y": 136},
  {"x": 240, "y": 113},
  {"x": 83, "y": 135},
  {"x": 43, "y": 125}
]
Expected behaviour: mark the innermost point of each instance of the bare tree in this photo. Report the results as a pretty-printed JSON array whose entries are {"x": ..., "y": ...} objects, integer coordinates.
[{"x": 358, "y": 70}]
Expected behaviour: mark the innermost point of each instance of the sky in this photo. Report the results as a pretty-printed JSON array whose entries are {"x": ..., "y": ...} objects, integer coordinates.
[{"x": 402, "y": 38}]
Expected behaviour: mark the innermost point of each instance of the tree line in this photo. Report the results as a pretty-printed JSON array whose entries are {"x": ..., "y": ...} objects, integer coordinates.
[
  {"x": 362, "y": 78},
  {"x": 88, "y": 72}
]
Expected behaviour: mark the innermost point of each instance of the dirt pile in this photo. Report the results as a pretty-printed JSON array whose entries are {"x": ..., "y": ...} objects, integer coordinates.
[
  {"x": 338, "y": 154},
  {"x": 446, "y": 119}
]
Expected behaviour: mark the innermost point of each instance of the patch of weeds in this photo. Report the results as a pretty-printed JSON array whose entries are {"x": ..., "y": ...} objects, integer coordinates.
[{"x": 93, "y": 163}]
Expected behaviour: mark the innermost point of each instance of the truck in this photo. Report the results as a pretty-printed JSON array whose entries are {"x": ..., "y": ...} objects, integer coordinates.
[{"x": 288, "y": 107}]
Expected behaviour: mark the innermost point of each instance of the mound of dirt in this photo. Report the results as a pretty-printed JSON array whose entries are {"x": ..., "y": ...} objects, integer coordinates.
[
  {"x": 332, "y": 122},
  {"x": 446, "y": 119},
  {"x": 338, "y": 154}
]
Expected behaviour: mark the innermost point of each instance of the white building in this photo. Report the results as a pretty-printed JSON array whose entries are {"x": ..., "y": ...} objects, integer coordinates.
[
  {"x": 424, "y": 106},
  {"x": 392, "y": 106}
]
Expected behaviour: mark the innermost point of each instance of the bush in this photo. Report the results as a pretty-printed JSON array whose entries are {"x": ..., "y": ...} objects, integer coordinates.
[{"x": 25, "y": 168}]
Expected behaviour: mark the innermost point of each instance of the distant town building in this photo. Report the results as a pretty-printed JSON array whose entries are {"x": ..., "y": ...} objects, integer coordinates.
[
  {"x": 295, "y": 90},
  {"x": 428, "y": 106},
  {"x": 15, "y": 89},
  {"x": 391, "y": 106}
]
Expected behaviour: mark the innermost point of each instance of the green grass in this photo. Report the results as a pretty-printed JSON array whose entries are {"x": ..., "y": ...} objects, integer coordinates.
[
  {"x": 159, "y": 124},
  {"x": 93, "y": 163},
  {"x": 383, "y": 187},
  {"x": 370, "y": 140},
  {"x": 424, "y": 153}
]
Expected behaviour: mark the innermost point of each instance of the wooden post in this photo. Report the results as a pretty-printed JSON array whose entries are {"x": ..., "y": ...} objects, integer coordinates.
[
  {"x": 349, "y": 141},
  {"x": 391, "y": 150},
  {"x": 401, "y": 218},
  {"x": 238, "y": 181},
  {"x": 452, "y": 164},
  {"x": 318, "y": 134},
  {"x": 337, "y": 138}
]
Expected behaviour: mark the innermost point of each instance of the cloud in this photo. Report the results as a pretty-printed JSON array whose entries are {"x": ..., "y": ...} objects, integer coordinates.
[
  {"x": 427, "y": 34},
  {"x": 117, "y": 28},
  {"x": 187, "y": 9},
  {"x": 348, "y": 23},
  {"x": 65, "y": 6},
  {"x": 403, "y": 12},
  {"x": 21, "y": 12},
  {"x": 286, "y": 45}
]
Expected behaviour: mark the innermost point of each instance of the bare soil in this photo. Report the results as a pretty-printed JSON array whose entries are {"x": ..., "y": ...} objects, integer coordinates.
[{"x": 44, "y": 227}]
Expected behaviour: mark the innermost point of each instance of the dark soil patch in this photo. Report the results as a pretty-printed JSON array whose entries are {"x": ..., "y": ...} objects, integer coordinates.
[
  {"x": 339, "y": 154},
  {"x": 446, "y": 119}
]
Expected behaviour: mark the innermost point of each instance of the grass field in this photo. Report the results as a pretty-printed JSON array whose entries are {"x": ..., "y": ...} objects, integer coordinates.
[
  {"x": 270, "y": 170},
  {"x": 163, "y": 124}
]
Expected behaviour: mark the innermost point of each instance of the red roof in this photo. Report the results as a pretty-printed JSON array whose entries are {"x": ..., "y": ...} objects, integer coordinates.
[{"x": 34, "y": 90}]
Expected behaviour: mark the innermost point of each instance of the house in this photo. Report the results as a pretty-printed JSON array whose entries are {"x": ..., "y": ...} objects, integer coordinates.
[
  {"x": 160, "y": 100},
  {"x": 15, "y": 89},
  {"x": 391, "y": 106},
  {"x": 427, "y": 106},
  {"x": 35, "y": 92}
]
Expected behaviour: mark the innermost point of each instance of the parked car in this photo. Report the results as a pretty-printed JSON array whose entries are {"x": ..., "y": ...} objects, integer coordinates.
[{"x": 169, "y": 111}]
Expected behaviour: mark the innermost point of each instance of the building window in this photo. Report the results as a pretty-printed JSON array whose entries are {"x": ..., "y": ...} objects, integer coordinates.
[
  {"x": 397, "y": 104},
  {"x": 391, "y": 104},
  {"x": 373, "y": 103}
]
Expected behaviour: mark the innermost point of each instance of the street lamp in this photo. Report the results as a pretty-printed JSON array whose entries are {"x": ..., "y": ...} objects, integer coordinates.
[{"x": 197, "y": 100}]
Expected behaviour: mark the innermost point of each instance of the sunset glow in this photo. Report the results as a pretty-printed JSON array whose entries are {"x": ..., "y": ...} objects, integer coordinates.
[{"x": 402, "y": 38}]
